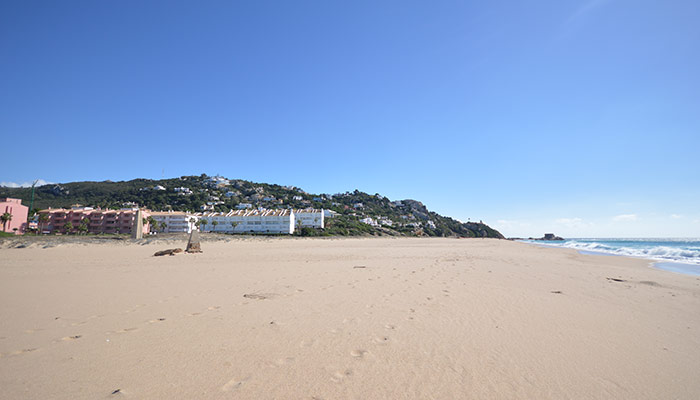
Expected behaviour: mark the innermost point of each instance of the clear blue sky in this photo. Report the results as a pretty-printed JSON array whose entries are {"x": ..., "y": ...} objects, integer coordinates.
[{"x": 580, "y": 117}]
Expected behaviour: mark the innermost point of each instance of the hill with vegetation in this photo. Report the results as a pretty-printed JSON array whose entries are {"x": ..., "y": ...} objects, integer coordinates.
[{"x": 356, "y": 213}]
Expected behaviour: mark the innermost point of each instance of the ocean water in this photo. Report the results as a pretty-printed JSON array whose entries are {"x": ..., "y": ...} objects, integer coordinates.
[{"x": 677, "y": 255}]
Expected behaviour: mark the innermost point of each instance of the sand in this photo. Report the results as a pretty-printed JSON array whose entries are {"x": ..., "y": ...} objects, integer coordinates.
[{"x": 344, "y": 319}]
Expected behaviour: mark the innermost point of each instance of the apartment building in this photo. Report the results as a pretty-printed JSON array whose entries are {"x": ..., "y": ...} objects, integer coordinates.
[
  {"x": 95, "y": 220},
  {"x": 175, "y": 221},
  {"x": 309, "y": 218},
  {"x": 249, "y": 221},
  {"x": 17, "y": 223}
]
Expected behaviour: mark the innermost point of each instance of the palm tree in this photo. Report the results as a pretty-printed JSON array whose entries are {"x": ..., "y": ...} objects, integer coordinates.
[
  {"x": 43, "y": 219},
  {"x": 6, "y": 217},
  {"x": 83, "y": 227},
  {"x": 152, "y": 224},
  {"x": 215, "y": 223},
  {"x": 68, "y": 227},
  {"x": 163, "y": 225},
  {"x": 193, "y": 221},
  {"x": 203, "y": 222},
  {"x": 234, "y": 224}
]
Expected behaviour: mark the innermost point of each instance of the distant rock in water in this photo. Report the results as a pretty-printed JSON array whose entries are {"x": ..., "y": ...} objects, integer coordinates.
[{"x": 549, "y": 236}]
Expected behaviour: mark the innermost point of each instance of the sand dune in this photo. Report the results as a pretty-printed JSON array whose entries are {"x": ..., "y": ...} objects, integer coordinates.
[{"x": 344, "y": 319}]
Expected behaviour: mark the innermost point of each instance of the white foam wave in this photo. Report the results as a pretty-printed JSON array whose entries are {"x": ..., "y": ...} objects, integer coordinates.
[{"x": 690, "y": 255}]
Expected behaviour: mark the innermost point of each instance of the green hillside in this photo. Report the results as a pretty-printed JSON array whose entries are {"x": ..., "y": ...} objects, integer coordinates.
[{"x": 193, "y": 193}]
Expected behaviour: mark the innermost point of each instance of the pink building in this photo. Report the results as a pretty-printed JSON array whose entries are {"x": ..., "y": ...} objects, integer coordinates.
[
  {"x": 14, "y": 207},
  {"x": 96, "y": 221}
]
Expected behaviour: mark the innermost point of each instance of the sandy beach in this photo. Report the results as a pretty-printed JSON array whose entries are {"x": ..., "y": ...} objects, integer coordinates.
[{"x": 344, "y": 319}]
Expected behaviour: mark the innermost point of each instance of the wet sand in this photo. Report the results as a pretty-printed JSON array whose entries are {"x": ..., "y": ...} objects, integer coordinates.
[{"x": 344, "y": 319}]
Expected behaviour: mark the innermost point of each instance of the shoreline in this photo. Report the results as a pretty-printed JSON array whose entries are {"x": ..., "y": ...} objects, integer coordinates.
[{"x": 664, "y": 265}]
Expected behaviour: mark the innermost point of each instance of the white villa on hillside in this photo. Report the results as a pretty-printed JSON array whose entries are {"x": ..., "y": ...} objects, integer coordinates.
[
  {"x": 175, "y": 221},
  {"x": 385, "y": 221},
  {"x": 369, "y": 221},
  {"x": 329, "y": 214},
  {"x": 253, "y": 221},
  {"x": 217, "y": 181},
  {"x": 182, "y": 191}
]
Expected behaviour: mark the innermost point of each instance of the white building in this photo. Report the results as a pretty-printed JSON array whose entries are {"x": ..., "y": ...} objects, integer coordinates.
[
  {"x": 243, "y": 206},
  {"x": 175, "y": 221},
  {"x": 329, "y": 214},
  {"x": 183, "y": 191},
  {"x": 386, "y": 221},
  {"x": 217, "y": 181},
  {"x": 369, "y": 221},
  {"x": 251, "y": 221},
  {"x": 309, "y": 218}
]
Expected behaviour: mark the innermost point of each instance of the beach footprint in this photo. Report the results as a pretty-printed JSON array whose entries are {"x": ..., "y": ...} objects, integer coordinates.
[
  {"x": 127, "y": 330},
  {"x": 24, "y": 351},
  {"x": 359, "y": 353},
  {"x": 340, "y": 376},
  {"x": 380, "y": 340},
  {"x": 233, "y": 384},
  {"x": 283, "y": 361}
]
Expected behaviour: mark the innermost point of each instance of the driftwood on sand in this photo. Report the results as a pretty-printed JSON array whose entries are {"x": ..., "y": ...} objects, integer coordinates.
[{"x": 169, "y": 252}]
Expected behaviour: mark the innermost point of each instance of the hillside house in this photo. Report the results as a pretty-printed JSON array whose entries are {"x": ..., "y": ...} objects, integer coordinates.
[
  {"x": 183, "y": 191},
  {"x": 369, "y": 221}
]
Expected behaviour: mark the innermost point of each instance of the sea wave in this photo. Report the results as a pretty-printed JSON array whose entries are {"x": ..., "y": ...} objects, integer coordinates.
[{"x": 689, "y": 254}]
